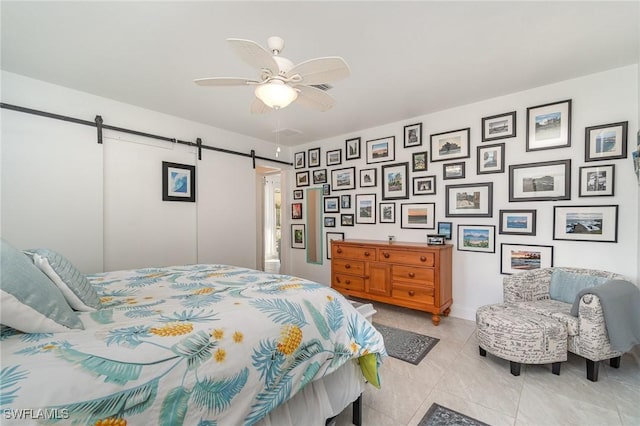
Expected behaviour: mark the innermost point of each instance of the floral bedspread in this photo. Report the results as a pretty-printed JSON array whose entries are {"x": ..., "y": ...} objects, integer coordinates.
[{"x": 195, "y": 345}]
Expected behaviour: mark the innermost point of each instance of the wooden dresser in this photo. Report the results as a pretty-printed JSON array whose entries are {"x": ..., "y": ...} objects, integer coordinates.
[{"x": 413, "y": 275}]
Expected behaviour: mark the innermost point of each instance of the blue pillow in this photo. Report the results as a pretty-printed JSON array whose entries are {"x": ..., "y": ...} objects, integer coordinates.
[
  {"x": 74, "y": 286},
  {"x": 565, "y": 286},
  {"x": 30, "y": 302}
]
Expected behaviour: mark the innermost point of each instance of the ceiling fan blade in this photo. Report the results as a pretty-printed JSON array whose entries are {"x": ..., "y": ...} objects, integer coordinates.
[
  {"x": 259, "y": 107},
  {"x": 313, "y": 98},
  {"x": 254, "y": 54},
  {"x": 224, "y": 81},
  {"x": 321, "y": 70}
]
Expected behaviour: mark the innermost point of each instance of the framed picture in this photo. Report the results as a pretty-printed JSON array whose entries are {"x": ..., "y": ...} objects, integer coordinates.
[
  {"x": 331, "y": 205},
  {"x": 380, "y": 150},
  {"x": 346, "y": 219},
  {"x": 298, "y": 194},
  {"x": 343, "y": 179},
  {"x": 319, "y": 176},
  {"x": 296, "y": 210},
  {"x": 596, "y": 181},
  {"x": 419, "y": 161},
  {"x": 413, "y": 135},
  {"x": 469, "y": 200},
  {"x": 480, "y": 238},
  {"x": 545, "y": 181},
  {"x": 314, "y": 157},
  {"x": 395, "y": 184},
  {"x": 499, "y": 126},
  {"x": 444, "y": 228},
  {"x": 450, "y": 145},
  {"x": 424, "y": 185},
  {"x": 178, "y": 182},
  {"x": 345, "y": 201},
  {"x": 549, "y": 126},
  {"x": 302, "y": 178},
  {"x": 586, "y": 223},
  {"x": 435, "y": 240},
  {"x": 453, "y": 171},
  {"x": 387, "y": 212},
  {"x": 334, "y": 157},
  {"x": 490, "y": 159},
  {"x": 338, "y": 236},
  {"x": 297, "y": 236},
  {"x": 366, "y": 208},
  {"x": 605, "y": 142},
  {"x": 368, "y": 177},
  {"x": 298, "y": 160},
  {"x": 352, "y": 149},
  {"x": 417, "y": 215},
  {"x": 517, "y": 222},
  {"x": 516, "y": 258},
  {"x": 329, "y": 222},
  {"x": 326, "y": 189}
]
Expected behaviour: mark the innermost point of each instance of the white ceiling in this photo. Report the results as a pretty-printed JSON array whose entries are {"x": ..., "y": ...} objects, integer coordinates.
[{"x": 407, "y": 58}]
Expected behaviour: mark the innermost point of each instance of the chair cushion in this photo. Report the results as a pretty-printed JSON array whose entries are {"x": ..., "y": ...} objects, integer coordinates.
[
  {"x": 555, "y": 309},
  {"x": 565, "y": 286}
]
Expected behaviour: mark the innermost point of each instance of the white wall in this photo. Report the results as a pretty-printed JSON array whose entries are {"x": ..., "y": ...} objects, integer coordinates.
[{"x": 601, "y": 98}]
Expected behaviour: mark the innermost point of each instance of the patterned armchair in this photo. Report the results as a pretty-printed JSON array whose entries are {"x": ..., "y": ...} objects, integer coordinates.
[{"x": 587, "y": 334}]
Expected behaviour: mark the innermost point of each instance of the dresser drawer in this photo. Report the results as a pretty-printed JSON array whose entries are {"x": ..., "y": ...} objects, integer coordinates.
[
  {"x": 410, "y": 293},
  {"x": 347, "y": 266},
  {"x": 421, "y": 276},
  {"x": 406, "y": 257},
  {"x": 348, "y": 282},
  {"x": 353, "y": 252}
]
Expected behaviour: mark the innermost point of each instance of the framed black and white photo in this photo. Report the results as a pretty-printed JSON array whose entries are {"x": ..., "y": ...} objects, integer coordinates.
[
  {"x": 450, "y": 145},
  {"x": 345, "y": 201},
  {"x": 597, "y": 181},
  {"x": 298, "y": 160},
  {"x": 366, "y": 208},
  {"x": 352, "y": 149},
  {"x": 469, "y": 200},
  {"x": 314, "y": 157},
  {"x": 453, "y": 170},
  {"x": 178, "y": 182},
  {"x": 586, "y": 223},
  {"x": 302, "y": 178},
  {"x": 419, "y": 161},
  {"x": 343, "y": 179},
  {"x": 549, "y": 126},
  {"x": 424, "y": 185},
  {"x": 319, "y": 176},
  {"x": 346, "y": 219},
  {"x": 329, "y": 222},
  {"x": 296, "y": 211},
  {"x": 499, "y": 126},
  {"x": 413, "y": 135},
  {"x": 381, "y": 150},
  {"x": 387, "y": 212},
  {"x": 606, "y": 142},
  {"x": 298, "y": 194},
  {"x": 368, "y": 178},
  {"x": 331, "y": 204},
  {"x": 395, "y": 181},
  {"x": 490, "y": 159},
  {"x": 481, "y": 238},
  {"x": 417, "y": 215},
  {"x": 331, "y": 236},
  {"x": 326, "y": 189},
  {"x": 334, "y": 157},
  {"x": 298, "y": 236},
  {"x": 545, "y": 181},
  {"x": 445, "y": 228},
  {"x": 516, "y": 258},
  {"x": 517, "y": 222}
]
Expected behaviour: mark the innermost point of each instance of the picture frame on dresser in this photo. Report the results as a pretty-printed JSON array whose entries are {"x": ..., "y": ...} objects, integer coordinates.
[
  {"x": 586, "y": 223},
  {"x": 381, "y": 150},
  {"x": 387, "y": 212},
  {"x": 330, "y": 236},
  {"x": 413, "y": 135},
  {"x": 352, "y": 149},
  {"x": 395, "y": 181},
  {"x": 517, "y": 222},
  {"x": 499, "y": 126},
  {"x": 366, "y": 208},
  {"x": 544, "y": 181},
  {"x": 450, "y": 145},
  {"x": 549, "y": 126},
  {"x": 596, "y": 181},
  {"x": 479, "y": 238},
  {"x": 469, "y": 200},
  {"x": 516, "y": 258},
  {"x": 606, "y": 141},
  {"x": 445, "y": 228},
  {"x": 417, "y": 215},
  {"x": 298, "y": 237}
]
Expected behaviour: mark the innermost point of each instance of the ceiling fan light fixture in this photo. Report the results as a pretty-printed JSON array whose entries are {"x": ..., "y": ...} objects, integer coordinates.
[{"x": 276, "y": 94}]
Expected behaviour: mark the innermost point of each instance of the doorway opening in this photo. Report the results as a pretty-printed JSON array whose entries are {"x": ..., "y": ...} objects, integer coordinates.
[{"x": 271, "y": 219}]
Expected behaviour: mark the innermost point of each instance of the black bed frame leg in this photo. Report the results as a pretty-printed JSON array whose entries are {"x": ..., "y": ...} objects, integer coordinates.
[{"x": 357, "y": 411}]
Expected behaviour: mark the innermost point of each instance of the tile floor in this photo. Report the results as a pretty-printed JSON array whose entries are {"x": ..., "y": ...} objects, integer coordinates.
[{"x": 454, "y": 375}]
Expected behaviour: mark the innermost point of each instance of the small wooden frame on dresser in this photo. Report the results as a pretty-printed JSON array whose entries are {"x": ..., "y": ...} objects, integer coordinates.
[{"x": 412, "y": 275}]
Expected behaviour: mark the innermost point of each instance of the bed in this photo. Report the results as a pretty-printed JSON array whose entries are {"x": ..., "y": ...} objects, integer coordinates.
[{"x": 194, "y": 345}]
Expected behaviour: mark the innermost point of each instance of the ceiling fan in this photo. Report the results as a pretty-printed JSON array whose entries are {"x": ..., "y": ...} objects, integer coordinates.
[{"x": 281, "y": 82}]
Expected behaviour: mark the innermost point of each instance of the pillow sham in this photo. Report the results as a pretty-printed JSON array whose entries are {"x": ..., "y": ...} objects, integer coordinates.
[
  {"x": 30, "y": 302},
  {"x": 565, "y": 286},
  {"x": 74, "y": 286}
]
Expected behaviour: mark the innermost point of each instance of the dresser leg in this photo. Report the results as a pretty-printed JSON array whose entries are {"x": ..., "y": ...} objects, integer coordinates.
[
  {"x": 435, "y": 319},
  {"x": 446, "y": 312}
]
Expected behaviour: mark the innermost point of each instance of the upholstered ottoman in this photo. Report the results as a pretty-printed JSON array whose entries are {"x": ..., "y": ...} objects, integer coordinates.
[{"x": 521, "y": 336}]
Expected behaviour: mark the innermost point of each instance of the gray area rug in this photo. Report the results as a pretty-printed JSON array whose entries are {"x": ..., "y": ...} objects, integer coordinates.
[
  {"x": 442, "y": 416},
  {"x": 406, "y": 345}
]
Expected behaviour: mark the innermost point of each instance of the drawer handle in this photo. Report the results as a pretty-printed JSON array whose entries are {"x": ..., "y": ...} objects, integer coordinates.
[
  {"x": 385, "y": 254},
  {"x": 347, "y": 266},
  {"x": 422, "y": 258},
  {"x": 366, "y": 254},
  {"x": 412, "y": 293},
  {"x": 411, "y": 275},
  {"x": 339, "y": 250},
  {"x": 348, "y": 282}
]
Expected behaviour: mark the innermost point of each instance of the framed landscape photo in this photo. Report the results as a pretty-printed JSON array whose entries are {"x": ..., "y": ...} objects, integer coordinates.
[
  {"x": 298, "y": 194},
  {"x": 338, "y": 236},
  {"x": 480, "y": 238},
  {"x": 368, "y": 177},
  {"x": 346, "y": 219},
  {"x": 395, "y": 181},
  {"x": 499, "y": 126},
  {"x": 596, "y": 181},
  {"x": 178, "y": 182},
  {"x": 296, "y": 210},
  {"x": 387, "y": 212},
  {"x": 334, "y": 157},
  {"x": 516, "y": 258},
  {"x": 490, "y": 159},
  {"x": 366, "y": 208},
  {"x": 453, "y": 171},
  {"x": 469, "y": 200},
  {"x": 352, "y": 149},
  {"x": 450, "y": 145},
  {"x": 345, "y": 201},
  {"x": 444, "y": 228},
  {"x": 419, "y": 161},
  {"x": 298, "y": 160},
  {"x": 331, "y": 205},
  {"x": 424, "y": 185},
  {"x": 381, "y": 150},
  {"x": 606, "y": 142},
  {"x": 517, "y": 222},
  {"x": 586, "y": 223},
  {"x": 319, "y": 176},
  {"x": 545, "y": 181},
  {"x": 302, "y": 178},
  {"x": 298, "y": 236},
  {"x": 413, "y": 135},
  {"x": 417, "y": 215},
  {"x": 314, "y": 157},
  {"x": 549, "y": 126},
  {"x": 343, "y": 179},
  {"x": 329, "y": 222}
]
